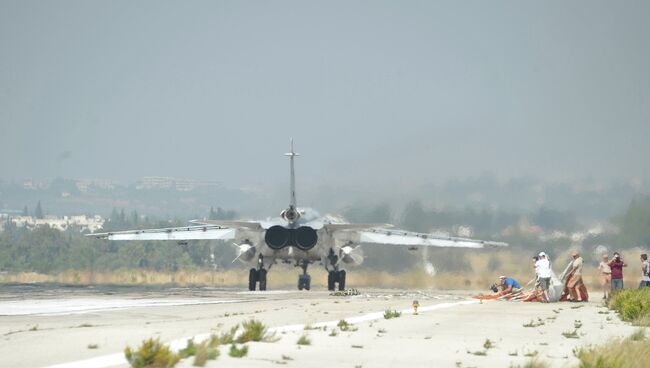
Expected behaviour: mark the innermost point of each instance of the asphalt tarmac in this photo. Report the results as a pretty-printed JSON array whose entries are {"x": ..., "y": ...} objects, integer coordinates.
[{"x": 71, "y": 326}]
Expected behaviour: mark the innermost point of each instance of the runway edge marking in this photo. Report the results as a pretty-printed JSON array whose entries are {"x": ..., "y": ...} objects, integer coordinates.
[{"x": 118, "y": 359}]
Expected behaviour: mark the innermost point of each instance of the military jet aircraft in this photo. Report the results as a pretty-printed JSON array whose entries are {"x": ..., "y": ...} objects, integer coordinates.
[{"x": 299, "y": 236}]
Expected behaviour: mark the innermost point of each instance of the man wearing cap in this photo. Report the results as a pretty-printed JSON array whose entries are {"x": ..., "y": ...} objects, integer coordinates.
[
  {"x": 508, "y": 285},
  {"x": 574, "y": 282},
  {"x": 543, "y": 270}
]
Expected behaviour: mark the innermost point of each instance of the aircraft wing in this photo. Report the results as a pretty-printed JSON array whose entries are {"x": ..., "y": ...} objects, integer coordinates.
[
  {"x": 231, "y": 224},
  {"x": 341, "y": 227},
  {"x": 413, "y": 239},
  {"x": 173, "y": 233}
]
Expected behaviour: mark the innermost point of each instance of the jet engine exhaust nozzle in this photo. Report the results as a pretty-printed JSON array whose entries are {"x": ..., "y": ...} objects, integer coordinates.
[
  {"x": 305, "y": 237},
  {"x": 277, "y": 237}
]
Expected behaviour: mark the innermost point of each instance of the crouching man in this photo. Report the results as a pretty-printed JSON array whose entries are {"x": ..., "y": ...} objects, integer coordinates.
[{"x": 508, "y": 286}]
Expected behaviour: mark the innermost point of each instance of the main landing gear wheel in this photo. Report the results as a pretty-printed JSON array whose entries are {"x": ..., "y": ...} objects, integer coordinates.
[
  {"x": 252, "y": 279},
  {"x": 331, "y": 280},
  {"x": 341, "y": 280},
  {"x": 262, "y": 279},
  {"x": 333, "y": 277},
  {"x": 304, "y": 282},
  {"x": 254, "y": 276}
]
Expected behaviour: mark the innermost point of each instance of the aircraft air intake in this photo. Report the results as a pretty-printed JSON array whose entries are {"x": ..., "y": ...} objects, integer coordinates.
[
  {"x": 305, "y": 237},
  {"x": 277, "y": 237}
]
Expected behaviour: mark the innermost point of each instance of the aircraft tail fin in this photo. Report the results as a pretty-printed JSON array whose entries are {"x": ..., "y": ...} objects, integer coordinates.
[{"x": 292, "y": 199}]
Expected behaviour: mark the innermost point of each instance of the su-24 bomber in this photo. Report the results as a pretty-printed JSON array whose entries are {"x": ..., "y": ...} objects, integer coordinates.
[{"x": 299, "y": 236}]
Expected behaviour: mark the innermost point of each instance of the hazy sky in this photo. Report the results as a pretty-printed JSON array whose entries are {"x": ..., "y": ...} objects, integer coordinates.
[{"x": 369, "y": 90}]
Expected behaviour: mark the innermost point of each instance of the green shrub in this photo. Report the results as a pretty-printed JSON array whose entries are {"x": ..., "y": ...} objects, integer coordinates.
[
  {"x": 488, "y": 344},
  {"x": 303, "y": 340},
  {"x": 638, "y": 335},
  {"x": 388, "y": 314},
  {"x": 343, "y": 325},
  {"x": 633, "y": 305},
  {"x": 188, "y": 351},
  {"x": 152, "y": 353},
  {"x": 225, "y": 338},
  {"x": 571, "y": 334},
  {"x": 205, "y": 352},
  {"x": 236, "y": 352},
  {"x": 254, "y": 331}
]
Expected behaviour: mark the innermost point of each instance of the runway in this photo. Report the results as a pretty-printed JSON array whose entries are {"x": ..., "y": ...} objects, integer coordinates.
[{"x": 53, "y": 325}]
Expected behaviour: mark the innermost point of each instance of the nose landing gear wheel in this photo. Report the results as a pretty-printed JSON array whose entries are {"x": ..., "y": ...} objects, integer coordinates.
[{"x": 304, "y": 282}]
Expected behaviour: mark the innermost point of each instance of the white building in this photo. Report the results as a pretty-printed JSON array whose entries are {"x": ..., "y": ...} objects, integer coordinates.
[{"x": 81, "y": 222}]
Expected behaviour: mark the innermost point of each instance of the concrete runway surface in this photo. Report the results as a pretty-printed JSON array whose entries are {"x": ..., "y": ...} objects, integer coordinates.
[{"x": 53, "y": 325}]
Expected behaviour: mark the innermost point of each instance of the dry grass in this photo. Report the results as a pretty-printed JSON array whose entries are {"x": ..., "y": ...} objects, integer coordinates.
[
  {"x": 281, "y": 278},
  {"x": 204, "y": 352},
  {"x": 628, "y": 353},
  {"x": 254, "y": 330},
  {"x": 533, "y": 363},
  {"x": 481, "y": 277}
]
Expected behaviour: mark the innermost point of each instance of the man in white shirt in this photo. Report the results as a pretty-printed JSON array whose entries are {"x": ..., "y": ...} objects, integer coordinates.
[
  {"x": 543, "y": 270},
  {"x": 645, "y": 271}
]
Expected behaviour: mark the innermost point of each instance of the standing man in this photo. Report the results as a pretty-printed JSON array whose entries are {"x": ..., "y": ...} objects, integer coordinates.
[
  {"x": 617, "y": 264},
  {"x": 574, "y": 283},
  {"x": 645, "y": 271},
  {"x": 543, "y": 267},
  {"x": 605, "y": 275}
]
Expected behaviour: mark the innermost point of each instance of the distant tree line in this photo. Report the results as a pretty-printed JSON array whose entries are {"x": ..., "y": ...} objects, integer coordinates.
[{"x": 49, "y": 250}]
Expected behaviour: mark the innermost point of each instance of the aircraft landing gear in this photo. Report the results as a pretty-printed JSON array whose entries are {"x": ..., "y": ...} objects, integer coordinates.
[
  {"x": 304, "y": 280},
  {"x": 335, "y": 276},
  {"x": 257, "y": 275}
]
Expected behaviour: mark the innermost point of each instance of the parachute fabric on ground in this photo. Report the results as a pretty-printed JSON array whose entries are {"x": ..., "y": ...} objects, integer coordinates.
[{"x": 555, "y": 288}]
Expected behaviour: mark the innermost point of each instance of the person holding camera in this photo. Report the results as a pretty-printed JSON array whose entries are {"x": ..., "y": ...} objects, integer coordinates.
[
  {"x": 617, "y": 264},
  {"x": 645, "y": 271},
  {"x": 508, "y": 286}
]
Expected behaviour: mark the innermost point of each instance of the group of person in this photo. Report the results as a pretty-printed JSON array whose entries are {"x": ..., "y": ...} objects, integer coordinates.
[
  {"x": 570, "y": 282},
  {"x": 611, "y": 273}
]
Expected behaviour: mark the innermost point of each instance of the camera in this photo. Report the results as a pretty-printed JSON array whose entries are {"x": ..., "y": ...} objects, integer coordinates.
[
  {"x": 536, "y": 258},
  {"x": 494, "y": 288}
]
